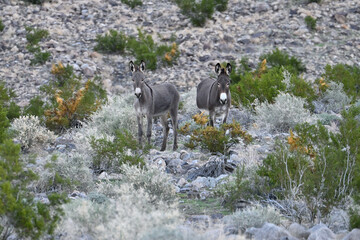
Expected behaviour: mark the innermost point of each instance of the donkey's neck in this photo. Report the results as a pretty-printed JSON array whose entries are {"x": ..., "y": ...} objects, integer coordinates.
[{"x": 147, "y": 96}]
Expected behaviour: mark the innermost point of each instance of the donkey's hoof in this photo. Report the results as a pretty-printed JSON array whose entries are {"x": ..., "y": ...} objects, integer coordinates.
[
  {"x": 175, "y": 148},
  {"x": 163, "y": 149}
]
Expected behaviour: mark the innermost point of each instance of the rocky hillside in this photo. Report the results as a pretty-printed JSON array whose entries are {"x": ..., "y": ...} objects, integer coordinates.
[
  {"x": 246, "y": 29},
  {"x": 252, "y": 186}
]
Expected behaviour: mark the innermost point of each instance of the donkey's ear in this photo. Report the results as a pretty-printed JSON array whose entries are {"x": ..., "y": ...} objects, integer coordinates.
[
  {"x": 142, "y": 66},
  {"x": 217, "y": 68},
  {"x": 132, "y": 66},
  {"x": 228, "y": 69}
]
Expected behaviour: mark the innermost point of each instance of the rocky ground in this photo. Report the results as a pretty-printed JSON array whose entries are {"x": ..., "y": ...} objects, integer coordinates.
[{"x": 247, "y": 29}]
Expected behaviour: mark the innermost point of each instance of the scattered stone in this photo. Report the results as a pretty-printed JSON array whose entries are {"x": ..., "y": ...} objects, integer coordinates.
[
  {"x": 269, "y": 231},
  {"x": 298, "y": 231},
  {"x": 320, "y": 232},
  {"x": 353, "y": 235}
]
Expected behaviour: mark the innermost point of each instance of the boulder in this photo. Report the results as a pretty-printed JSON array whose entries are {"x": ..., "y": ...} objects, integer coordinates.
[
  {"x": 269, "y": 231},
  {"x": 353, "y": 235},
  {"x": 320, "y": 232}
]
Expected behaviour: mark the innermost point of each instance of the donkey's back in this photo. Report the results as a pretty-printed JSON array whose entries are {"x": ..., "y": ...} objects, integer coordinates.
[{"x": 203, "y": 92}]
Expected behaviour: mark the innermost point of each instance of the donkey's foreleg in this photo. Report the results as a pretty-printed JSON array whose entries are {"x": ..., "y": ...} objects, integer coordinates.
[
  {"x": 140, "y": 128},
  {"x": 212, "y": 118},
  {"x": 225, "y": 115},
  {"x": 149, "y": 127},
  {"x": 165, "y": 131}
]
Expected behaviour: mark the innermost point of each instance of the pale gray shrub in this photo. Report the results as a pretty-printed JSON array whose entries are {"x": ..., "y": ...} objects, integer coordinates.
[
  {"x": 154, "y": 182},
  {"x": 129, "y": 215},
  {"x": 117, "y": 114},
  {"x": 189, "y": 102},
  {"x": 254, "y": 216},
  {"x": 30, "y": 133},
  {"x": 285, "y": 113},
  {"x": 334, "y": 98},
  {"x": 73, "y": 168}
]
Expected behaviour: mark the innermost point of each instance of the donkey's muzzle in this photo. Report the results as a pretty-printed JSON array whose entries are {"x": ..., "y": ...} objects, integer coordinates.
[
  {"x": 138, "y": 95},
  {"x": 223, "y": 101}
]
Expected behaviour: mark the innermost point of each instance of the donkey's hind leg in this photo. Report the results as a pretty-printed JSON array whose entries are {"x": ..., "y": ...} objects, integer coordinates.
[
  {"x": 174, "y": 121},
  {"x": 165, "y": 131}
]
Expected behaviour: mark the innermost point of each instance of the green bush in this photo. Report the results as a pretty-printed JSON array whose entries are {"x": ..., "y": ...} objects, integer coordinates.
[
  {"x": 34, "y": 36},
  {"x": 35, "y": 1},
  {"x": 280, "y": 58},
  {"x": 6, "y": 96},
  {"x": 69, "y": 100},
  {"x": 109, "y": 155},
  {"x": 113, "y": 42},
  {"x": 264, "y": 84},
  {"x": 310, "y": 22},
  {"x": 132, "y": 3},
  {"x": 4, "y": 124},
  {"x": 354, "y": 221},
  {"x": 200, "y": 11},
  {"x": 317, "y": 166},
  {"x": 2, "y": 26},
  {"x": 349, "y": 76},
  {"x": 40, "y": 58},
  {"x": 213, "y": 139},
  {"x": 35, "y": 107},
  {"x": 143, "y": 48},
  {"x": 264, "y": 87},
  {"x": 18, "y": 210}
]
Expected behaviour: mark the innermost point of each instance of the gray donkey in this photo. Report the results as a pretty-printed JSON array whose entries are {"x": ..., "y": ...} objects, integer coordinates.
[
  {"x": 154, "y": 101},
  {"x": 214, "y": 95}
]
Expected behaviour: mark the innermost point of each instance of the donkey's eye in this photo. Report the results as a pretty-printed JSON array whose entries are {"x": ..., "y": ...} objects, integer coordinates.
[{"x": 218, "y": 84}]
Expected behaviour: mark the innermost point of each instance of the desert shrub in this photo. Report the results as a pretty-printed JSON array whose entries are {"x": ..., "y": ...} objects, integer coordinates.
[
  {"x": 285, "y": 113},
  {"x": 327, "y": 119},
  {"x": 113, "y": 42},
  {"x": 316, "y": 166},
  {"x": 35, "y": 107},
  {"x": 239, "y": 71},
  {"x": 188, "y": 100},
  {"x": 64, "y": 173},
  {"x": 4, "y": 124},
  {"x": 200, "y": 11},
  {"x": 30, "y": 133},
  {"x": 313, "y": 1},
  {"x": 152, "y": 180},
  {"x": 40, "y": 58},
  {"x": 144, "y": 48},
  {"x": 20, "y": 214},
  {"x": 35, "y": 1},
  {"x": 131, "y": 209},
  {"x": 69, "y": 101},
  {"x": 213, "y": 139},
  {"x": 6, "y": 101},
  {"x": 349, "y": 76},
  {"x": 354, "y": 221},
  {"x": 111, "y": 154},
  {"x": 34, "y": 36},
  {"x": 334, "y": 98},
  {"x": 2, "y": 26},
  {"x": 132, "y": 3},
  {"x": 310, "y": 23},
  {"x": 264, "y": 87},
  {"x": 254, "y": 216},
  {"x": 280, "y": 58}
]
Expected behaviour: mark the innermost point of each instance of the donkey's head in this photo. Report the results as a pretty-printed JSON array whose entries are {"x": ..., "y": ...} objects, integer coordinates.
[
  {"x": 223, "y": 82},
  {"x": 138, "y": 77}
]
